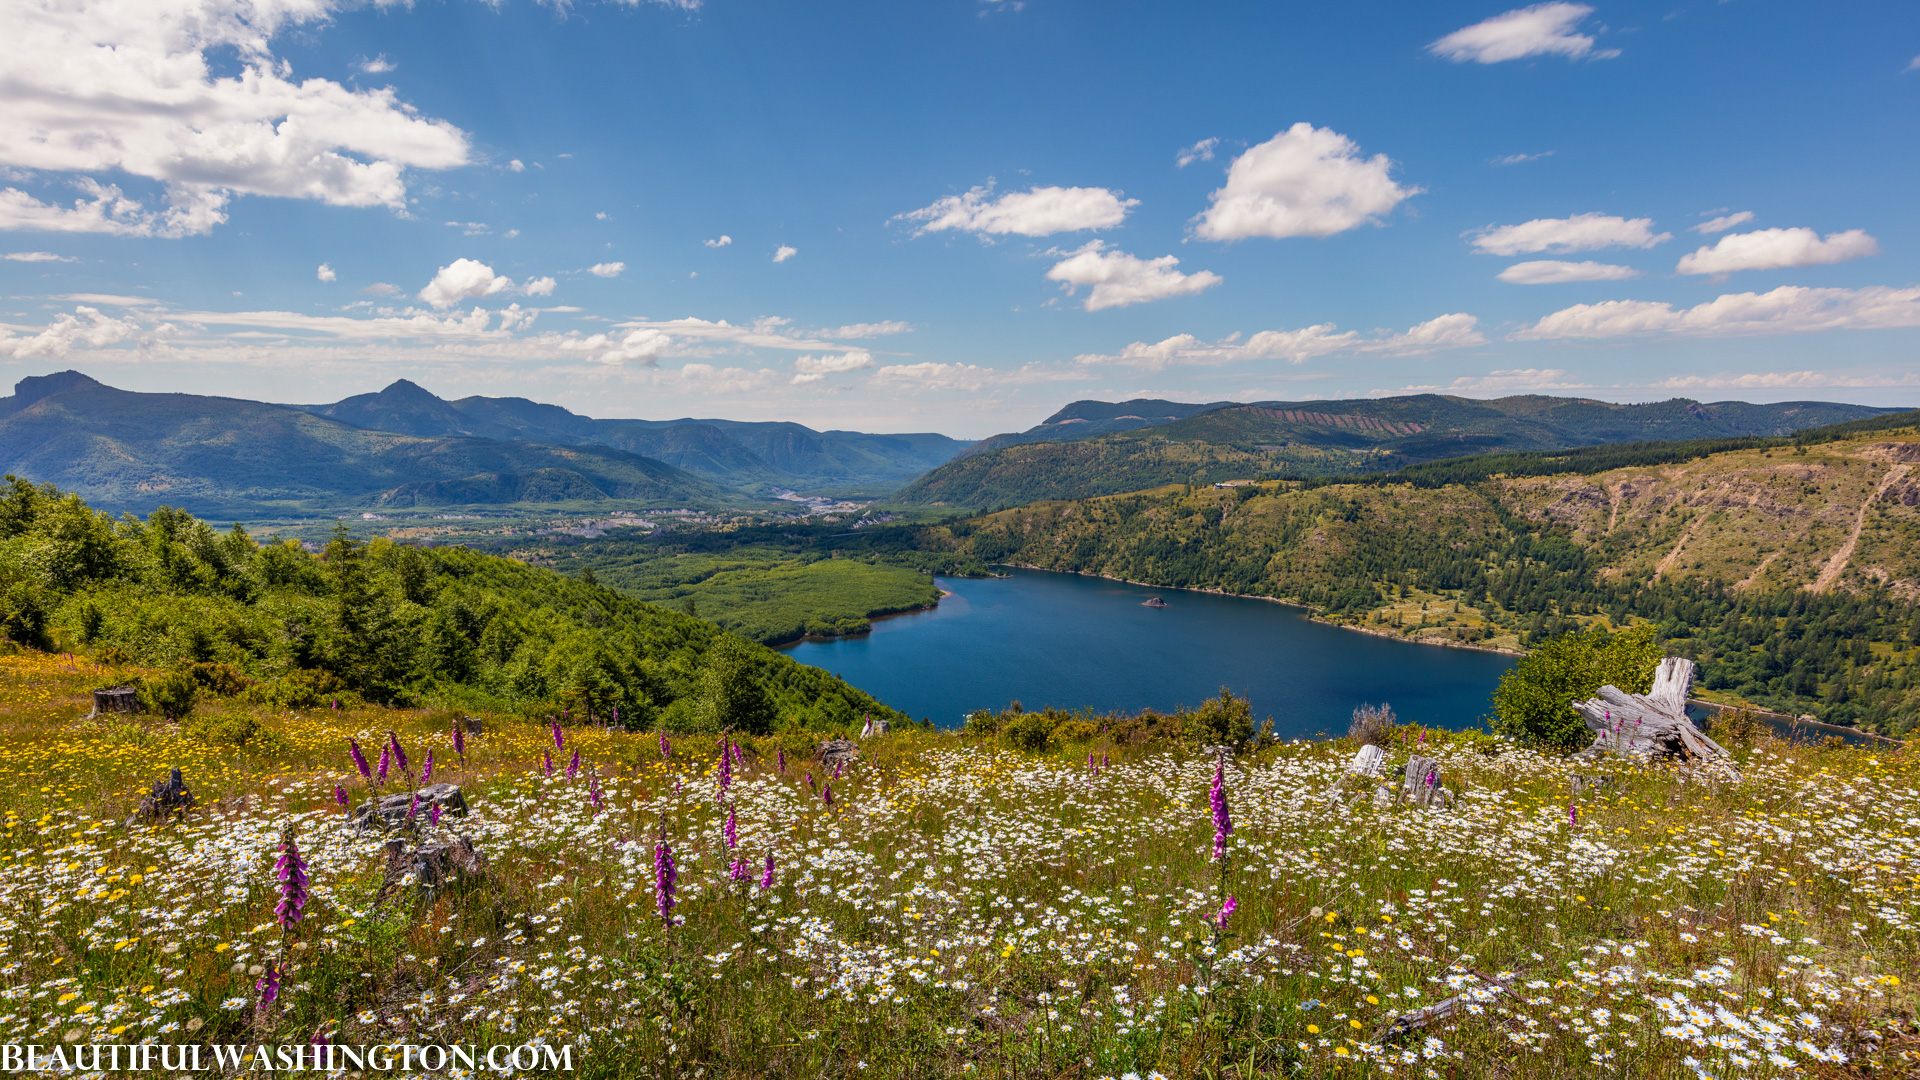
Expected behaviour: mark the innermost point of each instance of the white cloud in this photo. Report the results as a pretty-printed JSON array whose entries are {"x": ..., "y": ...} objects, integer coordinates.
[
  {"x": 407, "y": 323},
  {"x": 1540, "y": 30},
  {"x": 932, "y": 376},
  {"x": 872, "y": 329},
  {"x": 720, "y": 243},
  {"x": 38, "y": 256},
  {"x": 1305, "y": 181},
  {"x": 1040, "y": 211},
  {"x": 127, "y": 86},
  {"x": 463, "y": 279},
  {"x": 1774, "y": 380},
  {"x": 325, "y": 273},
  {"x": 1508, "y": 381},
  {"x": 1521, "y": 159},
  {"x": 606, "y": 269},
  {"x": 764, "y": 333},
  {"x": 1555, "y": 272},
  {"x": 1789, "y": 309},
  {"x": 540, "y": 286},
  {"x": 729, "y": 380},
  {"x": 1581, "y": 232},
  {"x": 381, "y": 288},
  {"x": 1778, "y": 249},
  {"x": 1119, "y": 279},
  {"x": 642, "y": 346},
  {"x": 1914, "y": 64},
  {"x": 784, "y": 253},
  {"x": 808, "y": 369},
  {"x": 1721, "y": 224},
  {"x": 104, "y": 208},
  {"x": 378, "y": 65},
  {"x": 87, "y": 328},
  {"x": 1452, "y": 331},
  {"x": 1200, "y": 151},
  {"x": 516, "y": 165}
]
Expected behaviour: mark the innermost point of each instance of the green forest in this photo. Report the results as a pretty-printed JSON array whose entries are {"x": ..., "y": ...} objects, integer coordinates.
[
  {"x": 773, "y": 591},
  {"x": 385, "y": 622}
]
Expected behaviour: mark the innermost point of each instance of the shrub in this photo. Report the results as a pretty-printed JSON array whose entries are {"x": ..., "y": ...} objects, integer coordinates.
[
  {"x": 1534, "y": 702},
  {"x": 981, "y": 723},
  {"x": 1737, "y": 727},
  {"x": 237, "y": 729},
  {"x": 1222, "y": 721},
  {"x": 1031, "y": 732},
  {"x": 302, "y": 689},
  {"x": 1077, "y": 731},
  {"x": 220, "y": 680},
  {"x": 171, "y": 695},
  {"x": 1373, "y": 725}
]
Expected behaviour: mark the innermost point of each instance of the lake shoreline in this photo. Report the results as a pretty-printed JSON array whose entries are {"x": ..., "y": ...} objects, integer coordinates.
[
  {"x": 1311, "y": 615},
  {"x": 871, "y": 619}
]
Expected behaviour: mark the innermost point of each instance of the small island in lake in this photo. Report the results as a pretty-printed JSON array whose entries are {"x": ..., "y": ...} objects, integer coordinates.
[{"x": 1153, "y": 601}]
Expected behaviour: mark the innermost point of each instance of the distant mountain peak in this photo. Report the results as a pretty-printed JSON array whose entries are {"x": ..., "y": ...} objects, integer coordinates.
[
  {"x": 407, "y": 388},
  {"x": 34, "y": 387}
]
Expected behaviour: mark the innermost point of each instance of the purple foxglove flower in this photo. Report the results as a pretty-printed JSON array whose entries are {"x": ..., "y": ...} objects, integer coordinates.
[
  {"x": 664, "y": 875},
  {"x": 359, "y": 759},
  {"x": 726, "y": 770},
  {"x": 1226, "y": 911},
  {"x": 593, "y": 794},
  {"x": 336, "y": 704},
  {"x": 399, "y": 754},
  {"x": 559, "y": 738},
  {"x": 666, "y": 748},
  {"x": 546, "y": 758},
  {"x": 826, "y": 795},
  {"x": 781, "y": 757},
  {"x": 292, "y": 872},
  {"x": 460, "y": 738},
  {"x": 1090, "y": 759},
  {"x": 1103, "y": 761},
  {"x": 766, "y": 878},
  {"x": 433, "y": 815},
  {"x": 1573, "y": 815},
  {"x": 340, "y": 796},
  {"x": 269, "y": 984},
  {"x": 739, "y": 755},
  {"x": 426, "y": 768},
  {"x": 809, "y": 779},
  {"x": 738, "y": 870},
  {"x": 1433, "y": 779},
  {"x": 386, "y": 759},
  {"x": 413, "y": 807},
  {"x": 730, "y": 833},
  {"x": 573, "y": 767},
  {"x": 1222, "y": 817}
]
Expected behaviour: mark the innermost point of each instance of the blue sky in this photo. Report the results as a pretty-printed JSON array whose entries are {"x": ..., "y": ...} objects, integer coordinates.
[{"x": 987, "y": 209}]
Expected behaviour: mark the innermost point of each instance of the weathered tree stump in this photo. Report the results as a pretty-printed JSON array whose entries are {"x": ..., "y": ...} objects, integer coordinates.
[
  {"x": 392, "y": 811},
  {"x": 114, "y": 699},
  {"x": 1648, "y": 727},
  {"x": 1420, "y": 783},
  {"x": 433, "y": 867},
  {"x": 836, "y": 752},
  {"x": 165, "y": 799},
  {"x": 875, "y": 727}
]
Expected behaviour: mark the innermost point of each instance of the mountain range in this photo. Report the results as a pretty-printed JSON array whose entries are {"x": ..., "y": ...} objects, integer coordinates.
[{"x": 1098, "y": 448}]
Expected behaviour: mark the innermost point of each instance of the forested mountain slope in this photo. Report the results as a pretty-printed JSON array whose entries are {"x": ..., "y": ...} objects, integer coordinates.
[
  {"x": 1082, "y": 454},
  {"x": 386, "y": 622},
  {"x": 1789, "y": 572}
]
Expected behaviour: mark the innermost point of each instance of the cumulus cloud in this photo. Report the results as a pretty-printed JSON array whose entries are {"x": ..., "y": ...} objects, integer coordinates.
[
  {"x": 86, "y": 328},
  {"x": 1775, "y": 380},
  {"x": 516, "y": 165},
  {"x": 1539, "y": 30},
  {"x": 127, "y": 86},
  {"x": 783, "y": 253},
  {"x": 1453, "y": 331},
  {"x": 1581, "y": 232},
  {"x": 1119, "y": 279},
  {"x": 1040, "y": 211},
  {"x": 1789, "y": 309},
  {"x": 1507, "y": 381},
  {"x": 325, "y": 273},
  {"x": 1778, "y": 249},
  {"x": 378, "y": 65},
  {"x": 1722, "y": 223},
  {"x": 1200, "y": 151},
  {"x": 1556, "y": 272},
  {"x": 642, "y": 346},
  {"x": 872, "y": 329},
  {"x": 809, "y": 369},
  {"x": 540, "y": 286},
  {"x": 38, "y": 256},
  {"x": 1305, "y": 181},
  {"x": 720, "y": 243},
  {"x": 463, "y": 279},
  {"x": 932, "y": 376},
  {"x": 606, "y": 269},
  {"x": 382, "y": 288}
]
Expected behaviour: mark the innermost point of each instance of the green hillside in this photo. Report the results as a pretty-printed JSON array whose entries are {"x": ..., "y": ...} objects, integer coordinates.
[
  {"x": 130, "y": 451},
  {"x": 1788, "y": 570},
  {"x": 1078, "y": 453},
  {"x": 384, "y": 622}
]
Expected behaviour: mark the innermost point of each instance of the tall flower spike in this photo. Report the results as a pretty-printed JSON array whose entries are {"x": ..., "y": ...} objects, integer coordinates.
[
  {"x": 426, "y": 768},
  {"x": 1222, "y": 817},
  {"x": 359, "y": 758},
  {"x": 573, "y": 767},
  {"x": 433, "y": 815},
  {"x": 664, "y": 875},
  {"x": 340, "y": 796},
  {"x": 292, "y": 872},
  {"x": 766, "y": 879},
  {"x": 546, "y": 758},
  {"x": 781, "y": 757},
  {"x": 826, "y": 795},
  {"x": 666, "y": 748},
  {"x": 386, "y": 759},
  {"x": 399, "y": 753},
  {"x": 730, "y": 833},
  {"x": 413, "y": 808},
  {"x": 459, "y": 738},
  {"x": 559, "y": 738},
  {"x": 726, "y": 770},
  {"x": 593, "y": 794},
  {"x": 269, "y": 984},
  {"x": 1226, "y": 911}
]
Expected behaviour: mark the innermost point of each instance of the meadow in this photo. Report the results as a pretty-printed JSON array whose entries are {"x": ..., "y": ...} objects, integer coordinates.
[{"x": 949, "y": 905}]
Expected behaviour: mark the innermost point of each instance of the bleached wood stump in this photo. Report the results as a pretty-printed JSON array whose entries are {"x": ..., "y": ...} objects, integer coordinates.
[{"x": 1648, "y": 727}]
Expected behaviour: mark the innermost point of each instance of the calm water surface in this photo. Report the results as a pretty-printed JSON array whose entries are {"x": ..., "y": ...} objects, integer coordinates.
[{"x": 1084, "y": 643}]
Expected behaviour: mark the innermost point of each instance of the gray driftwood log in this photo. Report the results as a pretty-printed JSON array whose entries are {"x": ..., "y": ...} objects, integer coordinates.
[
  {"x": 1408, "y": 1023},
  {"x": 1648, "y": 727}
]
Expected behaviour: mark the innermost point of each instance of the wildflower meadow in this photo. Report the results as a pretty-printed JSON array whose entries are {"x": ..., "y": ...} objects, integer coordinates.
[{"x": 944, "y": 904}]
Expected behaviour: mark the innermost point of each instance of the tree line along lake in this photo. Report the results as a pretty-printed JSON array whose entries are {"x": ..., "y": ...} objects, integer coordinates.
[{"x": 1073, "y": 642}]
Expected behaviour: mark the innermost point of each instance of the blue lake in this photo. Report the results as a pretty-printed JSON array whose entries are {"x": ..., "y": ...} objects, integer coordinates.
[{"x": 1076, "y": 642}]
